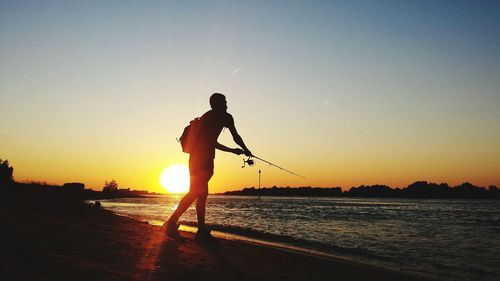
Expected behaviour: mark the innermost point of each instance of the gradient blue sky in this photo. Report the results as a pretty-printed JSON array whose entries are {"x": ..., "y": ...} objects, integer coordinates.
[{"x": 345, "y": 92}]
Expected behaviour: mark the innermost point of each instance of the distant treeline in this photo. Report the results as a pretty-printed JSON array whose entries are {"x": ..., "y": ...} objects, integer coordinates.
[
  {"x": 419, "y": 189},
  {"x": 68, "y": 191}
]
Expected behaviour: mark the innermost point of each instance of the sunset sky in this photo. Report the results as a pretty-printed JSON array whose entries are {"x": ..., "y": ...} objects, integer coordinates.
[{"x": 344, "y": 92}]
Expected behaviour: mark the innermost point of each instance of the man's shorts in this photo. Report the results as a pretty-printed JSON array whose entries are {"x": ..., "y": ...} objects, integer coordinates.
[{"x": 201, "y": 170}]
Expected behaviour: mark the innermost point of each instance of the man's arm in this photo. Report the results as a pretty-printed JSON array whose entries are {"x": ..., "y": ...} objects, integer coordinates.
[
  {"x": 228, "y": 149},
  {"x": 237, "y": 138}
]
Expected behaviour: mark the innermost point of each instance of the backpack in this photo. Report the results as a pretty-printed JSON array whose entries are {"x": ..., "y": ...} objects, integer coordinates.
[{"x": 190, "y": 135}]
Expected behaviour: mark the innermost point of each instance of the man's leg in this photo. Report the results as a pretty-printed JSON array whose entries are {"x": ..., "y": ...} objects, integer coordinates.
[
  {"x": 203, "y": 192},
  {"x": 187, "y": 200},
  {"x": 184, "y": 204},
  {"x": 200, "y": 210},
  {"x": 203, "y": 233}
]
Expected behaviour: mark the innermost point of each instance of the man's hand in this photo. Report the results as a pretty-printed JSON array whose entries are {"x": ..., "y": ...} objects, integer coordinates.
[
  {"x": 248, "y": 153},
  {"x": 237, "y": 151}
]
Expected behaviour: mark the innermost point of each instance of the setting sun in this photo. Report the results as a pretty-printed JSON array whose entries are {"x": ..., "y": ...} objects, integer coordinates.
[{"x": 175, "y": 179}]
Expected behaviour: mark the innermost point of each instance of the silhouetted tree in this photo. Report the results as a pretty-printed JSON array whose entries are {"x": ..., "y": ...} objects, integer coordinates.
[
  {"x": 468, "y": 190},
  {"x": 111, "y": 186},
  {"x": 494, "y": 191},
  {"x": 423, "y": 189},
  {"x": 6, "y": 173},
  {"x": 368, "y": 191}
]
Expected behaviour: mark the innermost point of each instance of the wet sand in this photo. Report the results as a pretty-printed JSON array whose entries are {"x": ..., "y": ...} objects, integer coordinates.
[{"x": 49, "y": 239}]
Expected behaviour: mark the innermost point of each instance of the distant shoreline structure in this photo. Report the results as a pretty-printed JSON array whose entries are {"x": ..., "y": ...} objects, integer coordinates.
[{"x": 419, "y": 189}]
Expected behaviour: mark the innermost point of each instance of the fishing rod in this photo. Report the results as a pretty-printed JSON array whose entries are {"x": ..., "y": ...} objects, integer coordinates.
[{"x": 250, "y": 162}]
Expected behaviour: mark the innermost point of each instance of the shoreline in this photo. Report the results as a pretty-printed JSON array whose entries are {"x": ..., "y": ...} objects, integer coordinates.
[
  {"x": 315, "y": 253},
  {"x": 188, "y": 231},
  {"x": 50, "y": 239}
]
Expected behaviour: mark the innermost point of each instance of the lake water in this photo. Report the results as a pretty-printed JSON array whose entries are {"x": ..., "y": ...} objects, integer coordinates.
[{"x": 442, "y": 239}]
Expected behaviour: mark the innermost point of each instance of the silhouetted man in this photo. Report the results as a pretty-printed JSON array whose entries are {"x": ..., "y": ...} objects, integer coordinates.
[{"x": 201, "y": 163}]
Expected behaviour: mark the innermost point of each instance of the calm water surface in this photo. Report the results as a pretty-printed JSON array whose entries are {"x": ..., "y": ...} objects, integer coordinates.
[{"x": 443, "y": 239}]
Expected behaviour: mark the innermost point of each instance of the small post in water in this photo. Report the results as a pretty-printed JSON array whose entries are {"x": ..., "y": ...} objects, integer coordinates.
[{"x": 258, "y": 192}]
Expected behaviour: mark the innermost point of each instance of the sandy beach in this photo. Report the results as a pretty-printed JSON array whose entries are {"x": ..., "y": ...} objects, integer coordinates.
[{"x": 50, "y": 238}]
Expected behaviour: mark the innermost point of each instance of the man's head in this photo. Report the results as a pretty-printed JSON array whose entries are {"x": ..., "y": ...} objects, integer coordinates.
[{"x": 218, "y": 102}]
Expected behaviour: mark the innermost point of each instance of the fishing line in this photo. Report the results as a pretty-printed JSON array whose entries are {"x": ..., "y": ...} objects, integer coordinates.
[{"x": 250, "y": 162}]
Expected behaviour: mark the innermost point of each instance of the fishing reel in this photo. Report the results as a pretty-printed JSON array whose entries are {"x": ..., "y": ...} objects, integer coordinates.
[{"x": 248, "y": 162}]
